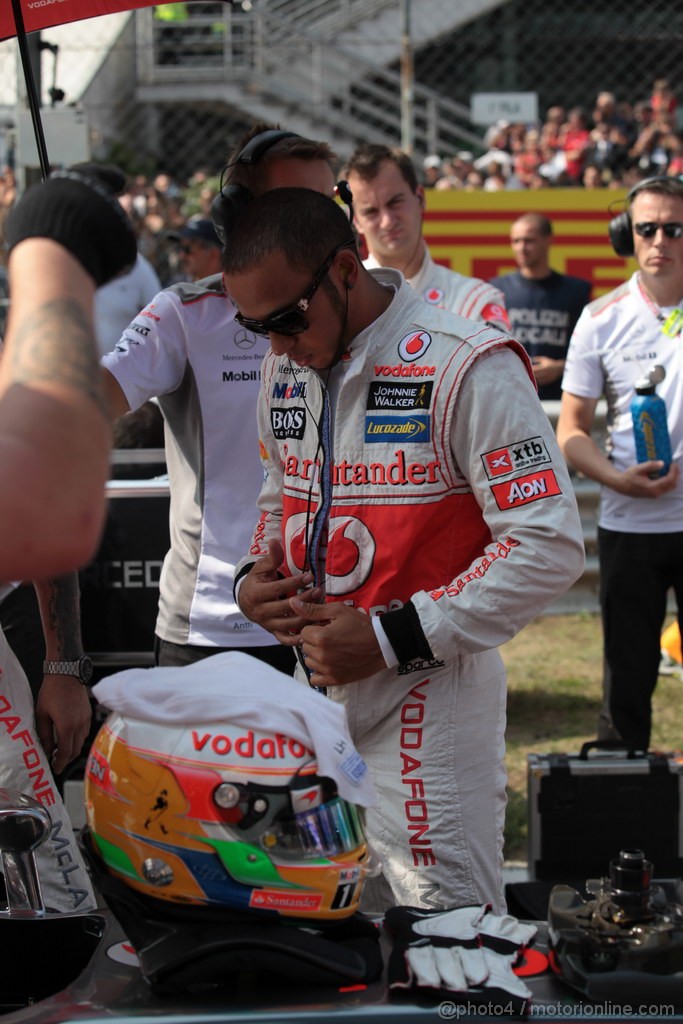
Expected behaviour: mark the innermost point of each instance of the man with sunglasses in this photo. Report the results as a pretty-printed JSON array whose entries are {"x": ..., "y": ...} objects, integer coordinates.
[
  {"x": 617, "y": 341},
  {"x": 199, "y": 247},
  {"x": 186, "y": 349},
  {"x": 416, "y": 513}
]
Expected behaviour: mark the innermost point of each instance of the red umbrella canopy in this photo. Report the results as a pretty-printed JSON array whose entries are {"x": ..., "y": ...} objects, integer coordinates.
[{"x": 39, "y": 14}]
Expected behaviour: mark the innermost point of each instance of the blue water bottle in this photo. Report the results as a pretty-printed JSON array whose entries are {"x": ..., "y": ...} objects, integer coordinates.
[{"x": 649, "y": 426}]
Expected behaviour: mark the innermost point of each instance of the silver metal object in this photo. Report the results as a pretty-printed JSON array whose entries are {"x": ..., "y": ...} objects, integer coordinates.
[{"x": 24, "y": 826}]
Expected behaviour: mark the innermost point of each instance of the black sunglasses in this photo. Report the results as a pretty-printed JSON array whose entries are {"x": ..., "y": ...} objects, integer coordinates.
[
  {"x": 649, "y": 228},
  {"x": 290, "y": 320}
]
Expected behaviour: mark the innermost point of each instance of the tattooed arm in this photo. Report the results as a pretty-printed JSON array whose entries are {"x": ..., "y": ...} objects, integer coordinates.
[
  {"x": 54, "y": 431},
  {"x": 63, "y": 705}
]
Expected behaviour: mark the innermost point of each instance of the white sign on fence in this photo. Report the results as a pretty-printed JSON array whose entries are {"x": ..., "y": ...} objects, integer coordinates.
[
  {"x": 490, "y": 107},
  {"x": 67, "y": 138}
]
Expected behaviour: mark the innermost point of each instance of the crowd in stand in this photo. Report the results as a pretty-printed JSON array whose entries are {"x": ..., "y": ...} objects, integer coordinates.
[{"x": 612, "y": 146}]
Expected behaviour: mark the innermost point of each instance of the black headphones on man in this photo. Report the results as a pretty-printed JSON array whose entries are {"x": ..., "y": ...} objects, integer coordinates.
[
  {"x": 621, "y": 227},
  {"x": 232, "y": 200}
]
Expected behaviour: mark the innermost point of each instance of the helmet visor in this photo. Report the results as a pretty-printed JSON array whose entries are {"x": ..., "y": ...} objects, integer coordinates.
[{"x": 330, "y": 829}]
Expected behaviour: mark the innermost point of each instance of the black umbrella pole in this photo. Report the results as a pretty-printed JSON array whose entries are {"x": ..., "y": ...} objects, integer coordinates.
[{"x": 31, "y": 94}]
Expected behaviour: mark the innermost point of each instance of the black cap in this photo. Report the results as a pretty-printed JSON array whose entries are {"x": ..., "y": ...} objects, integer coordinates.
[{"x": 199, "y": 228}]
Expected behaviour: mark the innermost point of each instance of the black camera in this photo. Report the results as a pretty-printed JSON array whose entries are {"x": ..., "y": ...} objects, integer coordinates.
[{"x": 626, "y": 940}]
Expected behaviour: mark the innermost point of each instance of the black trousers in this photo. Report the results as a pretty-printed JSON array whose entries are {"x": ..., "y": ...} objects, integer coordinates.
[
  {"x": 277, "y": 655},
  {"x": 637, "y": 570}
]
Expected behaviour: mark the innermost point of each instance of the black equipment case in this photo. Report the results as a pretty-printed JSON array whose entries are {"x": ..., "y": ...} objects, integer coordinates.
[{"x": 584, "y": 808}]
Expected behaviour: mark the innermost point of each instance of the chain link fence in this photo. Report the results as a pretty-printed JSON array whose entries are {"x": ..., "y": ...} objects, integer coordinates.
[
  {"x": 171, "y": 88},
  {"x": 166, "y": 91}
]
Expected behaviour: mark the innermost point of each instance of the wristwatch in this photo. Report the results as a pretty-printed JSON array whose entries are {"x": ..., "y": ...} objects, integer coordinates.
[{"x": 82, "y": 668}]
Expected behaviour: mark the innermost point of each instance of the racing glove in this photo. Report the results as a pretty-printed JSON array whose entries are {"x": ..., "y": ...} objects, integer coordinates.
[
  {"x": 468, "y": 951},
  {"x": 77, "y": 210}
]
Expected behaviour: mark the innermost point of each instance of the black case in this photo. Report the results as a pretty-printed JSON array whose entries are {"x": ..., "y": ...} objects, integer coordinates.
[{"x": 584, "y": 808}]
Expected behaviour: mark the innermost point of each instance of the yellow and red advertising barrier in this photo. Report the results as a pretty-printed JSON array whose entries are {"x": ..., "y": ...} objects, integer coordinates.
[{"x": 470, "y": 232}]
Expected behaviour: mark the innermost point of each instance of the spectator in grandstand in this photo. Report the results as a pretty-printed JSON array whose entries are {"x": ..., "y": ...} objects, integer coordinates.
[
  {"x": 663, "y": 99},
  {"x": 552, "y": 126},
  {"x": 388, "y": 205},
  {"x": 675, "y": 167},
  {"x": 605, "y": 111},
  {"x": 528, "y": 157},
  {"x": 607, "y": 149},
  {"x": 543, "y": 305},
  {"x": 592, "y": 177},
  {"x": 498, "y": 151},
  {"x": 574, "y": 139},
  {"x": 538, "y": 180},
  {"x": 474, "y": 181},
  {"x": 456, "y": 170},
  {"x": 650, "y": 150},
  {"x": 432, "y": 170},
  {"x": 496, "y": 179}
]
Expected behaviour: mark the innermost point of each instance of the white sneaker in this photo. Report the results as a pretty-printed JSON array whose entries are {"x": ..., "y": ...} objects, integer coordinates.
[{"x": 668, "y": 666}]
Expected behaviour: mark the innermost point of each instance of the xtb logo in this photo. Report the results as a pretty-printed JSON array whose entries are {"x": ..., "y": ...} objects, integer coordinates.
[
  {"x": 514, "y": 457},
  {"x": 528, "y": 449}
]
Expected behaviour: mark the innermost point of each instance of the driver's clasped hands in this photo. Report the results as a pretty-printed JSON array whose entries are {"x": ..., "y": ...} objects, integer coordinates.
[
  {"x": 264, "y": 596},
  {"x": 337, "y": 642}
]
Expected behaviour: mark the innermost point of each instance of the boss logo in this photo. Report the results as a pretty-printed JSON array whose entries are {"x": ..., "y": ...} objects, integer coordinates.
[{"x": 288, "y": 422}]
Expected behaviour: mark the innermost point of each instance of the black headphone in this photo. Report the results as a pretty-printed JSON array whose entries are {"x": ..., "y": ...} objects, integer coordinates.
[
  {"x": 233, "y": 199},
  {"x": 621, "y": 228}
]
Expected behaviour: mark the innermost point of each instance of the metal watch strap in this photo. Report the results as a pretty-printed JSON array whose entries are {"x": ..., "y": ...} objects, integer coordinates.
[{"x": 69, "y": 668}]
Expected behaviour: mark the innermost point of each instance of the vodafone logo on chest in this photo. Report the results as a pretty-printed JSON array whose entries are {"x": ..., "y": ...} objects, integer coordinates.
[
  {"x": 433, "y": 296},
  {"x": 414, "y": 345}
]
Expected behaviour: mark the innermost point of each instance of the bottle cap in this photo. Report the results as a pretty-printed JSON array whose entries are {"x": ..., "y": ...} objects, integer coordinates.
[{"x": 644, "y": 386}]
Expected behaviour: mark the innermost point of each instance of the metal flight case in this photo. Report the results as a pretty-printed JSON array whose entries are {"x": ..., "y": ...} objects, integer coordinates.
[{"x": 584, "y": 806}]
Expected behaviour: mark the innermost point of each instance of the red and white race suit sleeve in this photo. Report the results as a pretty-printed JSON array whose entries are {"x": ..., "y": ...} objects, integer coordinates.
[{"x": 504, "y": 445}]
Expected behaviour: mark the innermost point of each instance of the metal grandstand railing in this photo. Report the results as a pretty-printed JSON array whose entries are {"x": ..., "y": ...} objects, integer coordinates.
[
  {"x": 285, "y": 53},
  {"x": 351, "y": 92}
]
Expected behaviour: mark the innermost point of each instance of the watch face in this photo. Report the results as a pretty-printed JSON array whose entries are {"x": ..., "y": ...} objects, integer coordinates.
[{"x": 85, "y": 669}]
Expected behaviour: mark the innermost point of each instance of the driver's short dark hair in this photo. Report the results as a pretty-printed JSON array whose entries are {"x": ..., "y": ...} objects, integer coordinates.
[{"x": 303, "y": 224}]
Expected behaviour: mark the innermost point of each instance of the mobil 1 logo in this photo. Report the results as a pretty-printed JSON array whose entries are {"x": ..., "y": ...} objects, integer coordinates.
[
  {"x": 511, "y": 458},
  {"x": 289, "y": 422}
]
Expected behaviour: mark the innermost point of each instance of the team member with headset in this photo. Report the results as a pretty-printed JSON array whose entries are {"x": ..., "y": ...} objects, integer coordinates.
[
  {"x": 404, "y": 490},
  {"x": 617, "y": 340},
  {"x": 186, "y": 349}
]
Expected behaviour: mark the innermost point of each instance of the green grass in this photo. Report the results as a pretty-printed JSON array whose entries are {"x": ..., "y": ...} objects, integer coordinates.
[{"x": 554, "y": 695}]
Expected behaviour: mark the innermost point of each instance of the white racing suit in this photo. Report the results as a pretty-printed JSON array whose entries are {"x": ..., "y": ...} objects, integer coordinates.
[
  {"x": 467, "y": 296},
  {"x": 64, "y": 881},
  {"x": 453, "y": 517}
]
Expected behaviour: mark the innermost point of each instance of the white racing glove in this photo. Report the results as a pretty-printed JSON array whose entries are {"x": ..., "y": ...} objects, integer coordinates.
[{"x": 468, "y": 952}]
